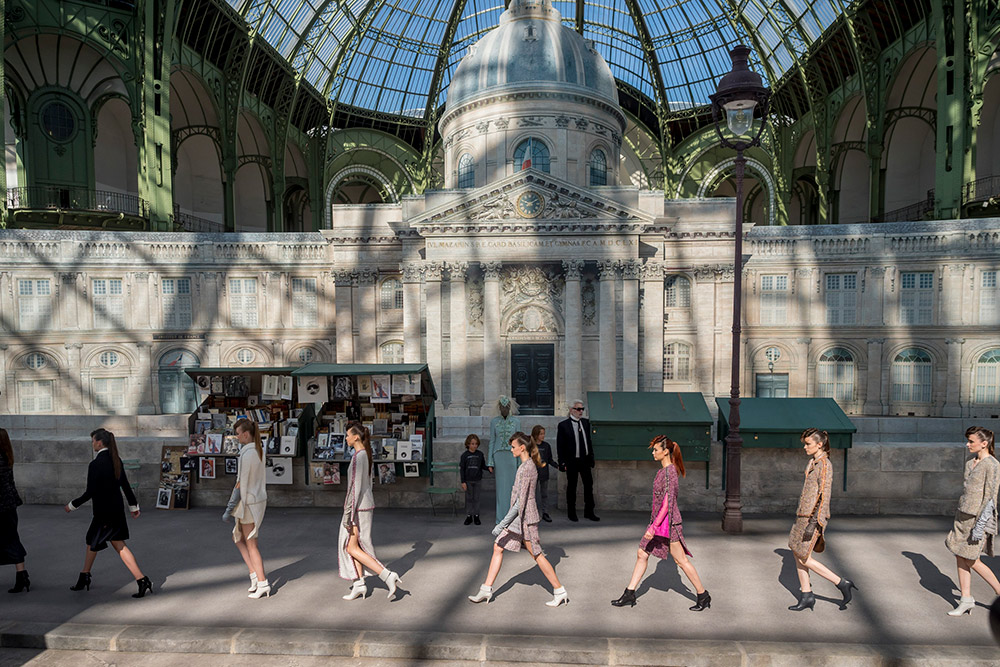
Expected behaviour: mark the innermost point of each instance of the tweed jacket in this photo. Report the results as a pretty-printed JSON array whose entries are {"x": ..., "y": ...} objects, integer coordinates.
[
  {"x": 981, "y": 484},
  {"x": 523, "y": 494},
  {"x": 819, "y": 476}
]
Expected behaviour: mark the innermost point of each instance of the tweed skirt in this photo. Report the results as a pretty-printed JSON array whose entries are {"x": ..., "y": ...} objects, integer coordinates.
[
  {"x": 802, "y": 549},
  {"x": 508, "y": 540},
  {"x": 959, "y": 540}
]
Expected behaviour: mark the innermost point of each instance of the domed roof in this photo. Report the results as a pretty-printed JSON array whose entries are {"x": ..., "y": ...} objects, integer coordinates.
[{"x": 531, "y": 46}]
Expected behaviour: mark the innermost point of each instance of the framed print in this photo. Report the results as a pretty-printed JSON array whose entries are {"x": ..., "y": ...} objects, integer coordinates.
[
  {"x": 213, "y": 443},
  {"x": 278, "y": 470},
  {"x": 364, "y": 385},
  {"x": 163, "y": 498},
  {"x": 343, "y": 387},
  {"x": 232, "y": 466},
  {"x": 182, "y": 499},
  {"x": 207, "y": 470},
  {"x": 313, "y": 389},
  {"x": 381, "y": 391},
  {"x": 411, "y": 470}
]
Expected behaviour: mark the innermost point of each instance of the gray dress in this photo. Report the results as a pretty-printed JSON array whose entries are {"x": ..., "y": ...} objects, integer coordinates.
[
  {"x": 359, "y": 503},
  {"x": 981, "y": 483}
]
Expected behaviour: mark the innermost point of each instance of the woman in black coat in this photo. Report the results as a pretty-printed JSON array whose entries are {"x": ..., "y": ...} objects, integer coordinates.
[
  {"x": 106, "y": 481},
  {"x": 11, "y": 550}
]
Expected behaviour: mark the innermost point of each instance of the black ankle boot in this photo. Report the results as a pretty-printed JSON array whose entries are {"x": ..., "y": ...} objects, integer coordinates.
[
  {"x": 145, "y": 586},
  {"x": 806, "y": 601},
  {"x": 21, "y": 582},
  {"x": 845, "y": 587},
  {"x": 82, "y": 582},
  {"x": 627, "y": 599},
  {"x": 703, "y": 602}
]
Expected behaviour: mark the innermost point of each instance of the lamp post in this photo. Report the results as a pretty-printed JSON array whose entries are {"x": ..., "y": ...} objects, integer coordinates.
[{"x": 737, "y": 96}]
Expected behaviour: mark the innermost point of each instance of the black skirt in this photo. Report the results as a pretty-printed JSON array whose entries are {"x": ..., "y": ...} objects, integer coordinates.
[
  {"x": 102, "y": 531},
  {"x": 11, "y": 550}
]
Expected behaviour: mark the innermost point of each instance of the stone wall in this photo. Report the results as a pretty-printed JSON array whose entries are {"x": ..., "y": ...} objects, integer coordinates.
[{"x": 897, "y": 466}]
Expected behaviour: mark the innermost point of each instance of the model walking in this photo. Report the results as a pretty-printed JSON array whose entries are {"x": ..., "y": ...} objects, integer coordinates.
[
  {"x": 812, "y": 516},
  {"x": 106, "y": 481},
  {"x": 664, "y": 538},
  {"x": 976, "y": 519},
  {"x": 248, "y": 504},
  {"x": 499, "y": 463},
  {"x": 11, "y": 550},
  {"x": 520, "y": 525},
  {"x": 356, "y": 552}
]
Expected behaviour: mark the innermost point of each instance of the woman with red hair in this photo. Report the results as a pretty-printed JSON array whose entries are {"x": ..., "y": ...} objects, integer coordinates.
[{"x": 664, "y": 537}]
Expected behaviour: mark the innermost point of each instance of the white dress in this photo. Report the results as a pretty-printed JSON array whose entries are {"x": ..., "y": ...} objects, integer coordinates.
[
  {"x": 253, "y": 495},
  {"x": 358, "y": 505}
]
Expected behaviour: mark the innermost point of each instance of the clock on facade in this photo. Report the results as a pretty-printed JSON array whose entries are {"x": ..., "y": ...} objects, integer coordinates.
[{"x": 529, "y": 204}]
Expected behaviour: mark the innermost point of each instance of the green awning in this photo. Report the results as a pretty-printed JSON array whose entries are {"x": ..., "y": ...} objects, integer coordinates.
[
  {"x": 778, "y": 422},
  {"x": 241, "y": 370},
  {"x": 332, "y": 370},
  {"x": 623, "y": 422}
]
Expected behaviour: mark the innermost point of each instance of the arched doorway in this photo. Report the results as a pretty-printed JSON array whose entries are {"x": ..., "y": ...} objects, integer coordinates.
[{"x": 178, "y": 393}]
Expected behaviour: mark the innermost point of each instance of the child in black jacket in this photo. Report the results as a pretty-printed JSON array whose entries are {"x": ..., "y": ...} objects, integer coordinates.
[{"x": 470, "y": 470}]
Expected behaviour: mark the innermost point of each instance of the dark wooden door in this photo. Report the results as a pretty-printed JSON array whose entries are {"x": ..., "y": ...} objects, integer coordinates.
[{"x": 532, "y": 378}]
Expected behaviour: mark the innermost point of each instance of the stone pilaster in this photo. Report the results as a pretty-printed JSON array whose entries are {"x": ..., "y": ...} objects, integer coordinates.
[
  {"x": 366, "y": 349},
  {"x": 630, "y": 325},
  {"x": 800, "y": 382},
  {"x": 492, "y": 354},
  {"x": 573, "y": 342},
  {"x": 457, "y": 273},
  {"x": 433, "y": 272},
  {"x": 873, "y": 293},
  {"x": 144, "y": 380},
  {"x": 953, "y": 386},
  {"x": 874, "y": 401},
  {"x": 951, "y": 297},
  {"x": 277, "y": 351},
  {"x": 6, "y": 398},
  {"x": 7, "y": 305},
  {"x": 74, "y": 400},
  {"x": 344, "y": 298},
  {"x": 66, "y": 313},
  {"x": 411, "y": 312},
  {"x": 607, "y": 274},
  {"x": 652, "y": 326},
  {"x": 213, "y": 353},
  {"x": 140, "y": 301}
]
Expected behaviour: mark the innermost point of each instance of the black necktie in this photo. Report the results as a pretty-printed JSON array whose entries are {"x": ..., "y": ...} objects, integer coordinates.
[{"x": 583, "y": 438}]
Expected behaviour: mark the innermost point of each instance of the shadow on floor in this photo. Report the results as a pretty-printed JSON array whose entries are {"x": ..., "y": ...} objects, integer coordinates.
[
  {"x": 534, "y": 576},
  {"x": 666, "y": 576},
  {"x": 931, "y": 578}
]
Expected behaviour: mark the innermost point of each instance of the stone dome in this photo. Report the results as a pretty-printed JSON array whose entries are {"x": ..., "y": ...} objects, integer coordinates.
[{"x": 531, "y": 46}]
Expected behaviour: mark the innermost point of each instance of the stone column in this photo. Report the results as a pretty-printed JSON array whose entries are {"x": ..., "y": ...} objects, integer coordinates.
[
  {"x": 873, "y": 296},
  {"x": 344, "y": 297},
  {"x": 492, "y": 356},
  {"x": 5, "y": 395},
  {"x": 950, "y": 297},
  {"x": 8, "y": 323},
  {"x": 433, "y": 272},
  {"x": 65, "y": 313},
  {"x": 73, "y": 394},
  {"x": 874, "y": 404},
  {"x": 709, "y": 336},
  {"x": 630, "y": 325},
  {"x": 652, "y": 326},
  {"x": 274, "y": 297},
  {"x": 800, "y": 384},
  {"x": 458, "y": 271},
  {"x": 607, "y": 273},
  {"x": 411, "y": 313},
  {"x": 139, "y": 304},
  {"x": 214, "y": 353},
  {"x": 365, "y": 296},
  {"x": 953, "y": 387},
  {"x": 144, "y": 380},
  {"x": 278, "y": 352},
  {"x": 573, "y": 340}
]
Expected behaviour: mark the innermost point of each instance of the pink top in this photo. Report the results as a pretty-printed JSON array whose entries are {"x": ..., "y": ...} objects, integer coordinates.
[{"x": 661, "y": 524}]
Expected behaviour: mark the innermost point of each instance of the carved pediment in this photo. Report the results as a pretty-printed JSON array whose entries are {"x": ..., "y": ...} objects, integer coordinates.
[{"x": 531, "y": 200}]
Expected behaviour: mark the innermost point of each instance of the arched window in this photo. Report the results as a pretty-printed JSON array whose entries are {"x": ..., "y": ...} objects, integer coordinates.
[
  {"x": 391, "y": 352},
  {"x": 392, "y": 294},
  {"x": 677, "y": 292},
  {"x": 987, "y": 389},
  {"x": 598, "y": 168},
  {"x": 835, "y": 375},
  {"x": 677, "y": 362},
  {"x": 911, "y": 376},
  {"x": 466, "y": 171},
  {"x": 178, "y": 392},
  {"x": 531, "y": 153}
]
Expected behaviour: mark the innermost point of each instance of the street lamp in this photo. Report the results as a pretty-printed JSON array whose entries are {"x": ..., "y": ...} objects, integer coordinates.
[{"x": 739, "y": 94}]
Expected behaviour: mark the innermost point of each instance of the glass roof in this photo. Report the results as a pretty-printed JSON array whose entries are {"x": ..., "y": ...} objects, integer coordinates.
[{"x": 382, "y": 54}]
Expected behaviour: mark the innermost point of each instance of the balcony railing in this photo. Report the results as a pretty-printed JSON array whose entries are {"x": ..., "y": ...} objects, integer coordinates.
[
  {"x": 912, "y": 213},
  {"x": 192, "y": 223},
  {"x": 77, "y": 199},
  {"x": 981, "y": 190}
]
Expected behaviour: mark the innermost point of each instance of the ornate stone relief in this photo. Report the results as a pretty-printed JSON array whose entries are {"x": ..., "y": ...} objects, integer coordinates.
[
  {"x": 561, "y": 208},
  {"x": 530, "y": 121},
  {"x": 411, "y": 272},
  {"x": 573, "y": 268},
  {"x": 433, "y": 270},
  {"x": 714, "y": 272},
  {"x": 631, "y": 269},
  {"x": 474, "y": 295},
  {"x": 531, "y": 319},
  {"x": 589, "y": 298},
  {"x": 652, "y": 270},
  {"x": 492, "y": 270},
  {"x": 501, "y": 123},
  {"x": 458, "y": 271},
  {"x": 501, "y": 207},
  {"x": 524, "y": 285},
  {"x": 608, "y": 269}
]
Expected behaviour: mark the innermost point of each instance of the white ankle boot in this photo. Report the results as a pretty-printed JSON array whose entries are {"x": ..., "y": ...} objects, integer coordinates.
[
  {"x": 358, "y": 590},
  {"x": 560, "y": 597},
  {"x": 484, "y": 594},
  {"x": 263, "y": 588},
  {"x": 391, "y": 579},
  {"x": 253, "y": 582},
  {"x": 965, "y": 605}
]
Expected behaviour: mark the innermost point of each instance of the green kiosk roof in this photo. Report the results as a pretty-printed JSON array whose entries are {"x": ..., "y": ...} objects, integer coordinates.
[
  {"x": 240, "y": 370},
  {"x": 368, "y": 369},
  {"x": 778, "y": 422},
  {"x": 623, "y": 422}
]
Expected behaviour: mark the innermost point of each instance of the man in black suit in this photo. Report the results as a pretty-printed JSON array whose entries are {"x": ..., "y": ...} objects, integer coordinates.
[{"x": 576, "y": 457}]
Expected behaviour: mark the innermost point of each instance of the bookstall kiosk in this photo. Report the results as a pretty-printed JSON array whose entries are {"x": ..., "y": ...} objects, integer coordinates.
[{"x": 396, "y": 403}]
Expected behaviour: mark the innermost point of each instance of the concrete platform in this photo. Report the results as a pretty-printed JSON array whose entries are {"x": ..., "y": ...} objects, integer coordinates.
[{"x": 200, "y": 606}]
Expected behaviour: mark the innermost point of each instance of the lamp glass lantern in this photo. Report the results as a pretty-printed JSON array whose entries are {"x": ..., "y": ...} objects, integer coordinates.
[{"x": 739, "y": 95}]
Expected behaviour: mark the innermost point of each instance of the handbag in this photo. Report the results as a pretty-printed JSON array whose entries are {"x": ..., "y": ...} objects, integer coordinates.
[
  {"x": 663, "y": 530},
  {"x": 813, "y": 524}
]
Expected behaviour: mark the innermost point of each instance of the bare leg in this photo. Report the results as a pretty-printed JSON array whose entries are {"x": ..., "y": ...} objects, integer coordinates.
[
  {"x": 641, "y": 561},
  {"x": 360, "y": 556},
  {"x": 803, "y": 572},
  {"x": 546, "y": 567},
  {"x": 495, "y": 562},
  {"x": 88, "y": 559},
  {"x": 821, "y": 570},
  {"x": 127, "y": 558},
  {"x": 979, "y": 567},
  {"x": 253, "y": 553},
  {"x": 677, "y": 551},
  {"x": 19, "y": 566},
  {"x": 241, "y": 545},
  {"x": 964, "y": 576}
]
